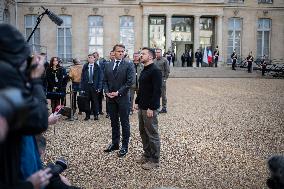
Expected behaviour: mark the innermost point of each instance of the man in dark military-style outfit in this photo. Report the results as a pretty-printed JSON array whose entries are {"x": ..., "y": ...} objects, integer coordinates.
[
  {"x": 234, "y": 58},
  {"x": 249, "y": 61}
]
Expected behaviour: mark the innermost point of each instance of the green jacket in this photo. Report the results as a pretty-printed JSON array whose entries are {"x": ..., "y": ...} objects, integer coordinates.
[
  {"x": 163, "y": 65},
  {"x": 137, "y": 70}
]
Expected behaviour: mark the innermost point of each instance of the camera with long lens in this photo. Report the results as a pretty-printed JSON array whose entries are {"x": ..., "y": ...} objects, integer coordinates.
[
  {"x": 13, "y": 107},
  {"x": 276, "y": 168},
  {"x": 58, "y": 167}
]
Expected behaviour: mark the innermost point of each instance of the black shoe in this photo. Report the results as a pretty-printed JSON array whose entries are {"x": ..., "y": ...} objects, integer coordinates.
[
  {"x": 87, "y": 118},
  {"x": 122, "y": 152},
  {"x": 111, "y": 148},
  {"x": 163, "y": 110},
  {"x": 101, "y": 113},
  {"x": 96, "y": 117}
]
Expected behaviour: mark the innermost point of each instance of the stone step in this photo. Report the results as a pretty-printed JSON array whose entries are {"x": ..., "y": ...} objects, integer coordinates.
[{"x": 212, "y": 72}]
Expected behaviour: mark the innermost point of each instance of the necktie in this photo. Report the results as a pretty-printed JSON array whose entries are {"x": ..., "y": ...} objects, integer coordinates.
[
  {"x": 115, "y": 67},
  {"x": 91, "y": 74}
]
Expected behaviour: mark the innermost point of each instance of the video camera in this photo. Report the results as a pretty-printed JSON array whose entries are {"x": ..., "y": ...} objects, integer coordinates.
[
  {"x": 13, "y": 107},
  {"x": 58, "y": 167},
  {"x": 276, "y": 167}
]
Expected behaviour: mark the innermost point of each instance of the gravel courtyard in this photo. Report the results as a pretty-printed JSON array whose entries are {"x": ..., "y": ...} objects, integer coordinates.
[{"x": 218, "y": 133}]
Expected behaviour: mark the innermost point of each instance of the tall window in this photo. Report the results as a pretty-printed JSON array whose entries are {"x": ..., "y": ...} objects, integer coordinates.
[
  {"x": 96, "y": 34},
  {"x": 207, "y": 32},
  {"x": 127, "y": 33},
  {"x": 263, "y": 37},
  {"x": 234, "y": 38},
  {"x": 265, "y": 1},
  {"x": 182, "y": 29},
  {"x": 64, "y": 38},
  {"x": 157, "y": 34},
  {"x": 30, "y": 22}
]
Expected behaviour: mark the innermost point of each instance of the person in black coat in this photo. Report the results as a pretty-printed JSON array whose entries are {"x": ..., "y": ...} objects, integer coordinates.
[
  {"x": 263, "y": 65},
  {"x": 189, "y": 58},
  {"x": 55, "y": 83},
  {"x": 17, "y": 72},
  {"x": 198, "y": 57},
  {"x": 249, "y": 60},
  {"x": 101, "y": 63},
  {"x": 182, "y": 59},
  {"x": 216, "y": 56},
  {"x": 148, "y": 103},
  {"x": 91, "y": 86},
  {"x": 234, "y": 58}
]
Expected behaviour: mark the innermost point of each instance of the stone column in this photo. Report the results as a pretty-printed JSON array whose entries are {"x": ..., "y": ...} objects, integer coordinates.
[
  {"x": 168, "y": 32},
  {"x": 196, "y": 32},
  {"x": 220, "y": 36},
  {"x": 145, "y": 30}
]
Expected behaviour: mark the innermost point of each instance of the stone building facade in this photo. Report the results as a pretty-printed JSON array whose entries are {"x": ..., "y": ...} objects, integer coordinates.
[{"x": 176, "y": 25}]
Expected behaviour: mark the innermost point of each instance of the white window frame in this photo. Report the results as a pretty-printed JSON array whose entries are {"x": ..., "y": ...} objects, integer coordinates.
[
  {"x": 265, "y": 1},
  {"x": 234, "y": 36},
  {"x": 89, "y": 35},
  {"x": 128, "y": 47},
  {"x": 262, "y": 30},
  {"x": 64, "y": 27},
  {"x": 31, "y": 27}
]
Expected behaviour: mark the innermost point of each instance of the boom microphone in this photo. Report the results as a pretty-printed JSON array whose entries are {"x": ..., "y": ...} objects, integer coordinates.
[{"x": 53, "y": 17}]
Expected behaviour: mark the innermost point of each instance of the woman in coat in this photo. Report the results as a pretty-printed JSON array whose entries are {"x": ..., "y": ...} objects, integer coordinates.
[{"x": 55, "y": 83}]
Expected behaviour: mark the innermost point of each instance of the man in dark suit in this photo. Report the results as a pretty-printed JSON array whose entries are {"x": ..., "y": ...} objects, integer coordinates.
[
  {"x": 198, "y": 57},
  {"x": 118, "y": 78},
  {"x": 101, "y": 63},
  {"x": 189, "y": 58},
  {"x": 91, "y": 85},
  {"x": 216, "y": 56},
  {"x": 234, "y": 58}
]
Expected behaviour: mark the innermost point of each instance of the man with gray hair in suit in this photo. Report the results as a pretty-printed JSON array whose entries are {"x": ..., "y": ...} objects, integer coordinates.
[{"x": 118, "y": 78}]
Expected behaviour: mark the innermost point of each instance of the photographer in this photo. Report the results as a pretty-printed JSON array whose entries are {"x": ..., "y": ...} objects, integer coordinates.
[
  {"x": 18, "y": 153},
  {"x": 19, "y": 156}
]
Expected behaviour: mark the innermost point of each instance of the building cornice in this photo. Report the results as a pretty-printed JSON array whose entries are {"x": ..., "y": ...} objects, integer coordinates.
[{"x": 79, "y": 4}]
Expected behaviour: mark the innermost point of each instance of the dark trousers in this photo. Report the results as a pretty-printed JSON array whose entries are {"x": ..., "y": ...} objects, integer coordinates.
[
  {"x": 75, "y": 88},
  {"x": 107, "y": 105},
  {"x": 164, "y": 94},
  {"x": 100, "y": 101},
  {"x": 182, "y": 63},
  {"x": 74, "y": 100},
  {"x": 216, "y": 61},
  {"x": 197, "y": 63},
  {"x": 189, "y": 63},
  {"x": 249, "y": 67},
  {"x": 92, "y": 96},
  {"x": 148, "y": 128},
  {"x": 119, "y": 112},
  {"x": 263, "y": 69},
  {"x": 234, "y": 65}
]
